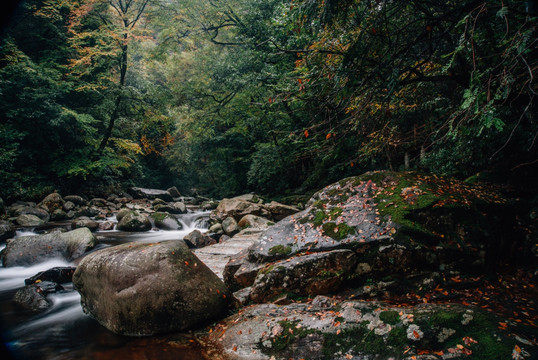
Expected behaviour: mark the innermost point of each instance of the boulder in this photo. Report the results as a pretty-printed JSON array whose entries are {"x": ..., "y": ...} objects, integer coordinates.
[
  {"x": 166, "y": 221},
  {"x": 151, "y": 194},
  {"x": 209, "y": 205},
  {"x": 34, "y": 297},
  {"x": 58, "y": 214},
  {"x": 30, "y": 210},
  {"x": 248, "y": 197},
  {"x": 253, "y": 221},
  {"x": 280, "y": 211},
  {"x": 75, "y": 199},
  {"x": 313, "y": 274},
  {"x": 29, "y": 220},
  {"x": 84, "y": 222},
  {"x": 106, "y": 225},
  {"x": 100, "y": 202},
  {"x": 134, "y": 221},
  {"x": 52, "y": 202},
  {"x": 7, "y": 230},
  {"x": 89, "y": 211},
  {"x": 238, "y": 208},
  {"x": 172, "y": 208},
  {"x": 122, "y": 213},
  {"x": 28, "y": 250},
  {"x": 141, "y": 289},
  {"x": 2, "y": 206},
  {"x": 69, "y": 205},
  {"x": 216, "y": 229},
  {"x": 158, "y": 202},
  {"x": 196, "y": 239},
  {"x": 340, "y": 330},
  {"x": 230, "y": 227},
  {"x": 174, "y": 192},
  {"x": 59, "y": 275}
]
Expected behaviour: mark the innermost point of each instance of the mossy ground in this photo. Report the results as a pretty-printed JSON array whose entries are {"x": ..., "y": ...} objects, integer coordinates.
[{"x": 280, "y": 250}]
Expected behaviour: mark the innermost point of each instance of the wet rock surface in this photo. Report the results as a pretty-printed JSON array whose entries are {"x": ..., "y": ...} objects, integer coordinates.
[
  {"x": 144, "y": 289},
  {"x": 28, "y": 250}
]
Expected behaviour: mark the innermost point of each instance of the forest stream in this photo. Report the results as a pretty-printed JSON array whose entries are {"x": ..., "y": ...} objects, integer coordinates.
[{"x": 65, "y": 332}]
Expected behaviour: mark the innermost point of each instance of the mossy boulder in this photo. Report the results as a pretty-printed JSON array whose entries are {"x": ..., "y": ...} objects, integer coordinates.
[
  {"x": 133, "y": 221},
  {"x": 369, "y": 330},
  {"x": 426, "y": 220},
  {"x": 7, "y": 230},
  {"x": 144, "y": 289},
  {"x": 166, "y": 221},
  {"x": 52, "y": 202}
]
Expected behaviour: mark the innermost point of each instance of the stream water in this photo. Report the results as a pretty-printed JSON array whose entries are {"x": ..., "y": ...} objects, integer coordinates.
[{"x": 65, "y": 332}]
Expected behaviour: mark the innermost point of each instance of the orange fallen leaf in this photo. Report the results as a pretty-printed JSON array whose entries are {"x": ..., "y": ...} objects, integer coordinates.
[
  {"x": 235, "y": 348},
  {"x": 416, "y": 334}
]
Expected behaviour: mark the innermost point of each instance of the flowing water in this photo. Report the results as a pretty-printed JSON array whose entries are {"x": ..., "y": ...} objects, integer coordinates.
[{"x": 64, "y": 332}]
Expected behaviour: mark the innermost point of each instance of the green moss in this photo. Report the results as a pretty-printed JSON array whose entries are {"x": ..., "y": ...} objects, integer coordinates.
[
  {"x": 327, "y": 274},
  {"x": 280, "y": 250},
  {"x": 360, "y": 340},
  {"x": 159, "y": 216},
  {"x": 337, "y": 232},
  {"x": 334, "y": 213},
  {"x": 390, "y": 317},
  {"x": 266, "y": 269},
  {"x": 397, "y": 337},
  {"x": 287, "y": 337},
  {"x": 319, "y": 216}
]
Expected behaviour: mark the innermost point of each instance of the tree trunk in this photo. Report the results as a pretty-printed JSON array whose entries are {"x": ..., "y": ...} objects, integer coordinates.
[{"x": 115, "y": 112}]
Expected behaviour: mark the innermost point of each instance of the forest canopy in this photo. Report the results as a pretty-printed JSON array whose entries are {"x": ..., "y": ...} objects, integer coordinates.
[{"x": 271, "y": 96}]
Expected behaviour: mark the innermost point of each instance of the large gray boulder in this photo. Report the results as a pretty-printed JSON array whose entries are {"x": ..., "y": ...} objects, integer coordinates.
[
  {"x": 84, "y": 221},
  {"x": 230, "y": 227},
  {"x": 28, "y": 250},
  {"x": 134, "y": 221},
  {"x": 151, "y": 194},
  {"x": 196, "y": 239},
  {"x": 253, "y": 221},
  {"x": 141, "y": 289}
]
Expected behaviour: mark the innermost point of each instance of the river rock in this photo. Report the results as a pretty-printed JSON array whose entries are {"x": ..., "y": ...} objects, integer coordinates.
[
  {"x": 216, "y": 229},
  {"x": 75, "y": 199},
  {"x": 248, "y": 197},
  {"x": 166, "y": 221},
  {"x": 34, "y": 297},
  {"x": 86, "y": 222},
  {"x": 253, "y": 221},
  {"x": 173, "y": 208},
  {"x": 30, "y": 210},
  {"x": 230, "y": 227},
  {"x": 52, "y": 202},
  {"x": 196, "y": 239},
  {"x": 134, "y": 221},
  {"x": 29, "y": 220},
  {"x": 58, "y": 214},
  {"x": 151, "y": 194},
  {"x": 238, "y": 208},
  {"x": 69, "y": 205},
  {"x": 280, "y": 211},
  {"x": 209, "y": 205},
  {"x": 89, "y": 211},
  {"x": 59, "y": 275},
  {"x": 106, "y": 225},
  {"x": 145, "y": 289},
  {"x": 313, "y": 274},
  {"x": 29, "y": 250},
  {"x": 174, "y": 192},
  {"x": 7, "y": 230},
  {"x": 122, "y": 213}
]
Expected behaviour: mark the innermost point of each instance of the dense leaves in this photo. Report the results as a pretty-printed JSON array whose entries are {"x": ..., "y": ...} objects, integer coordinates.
[{"x": 271, "y": 96}]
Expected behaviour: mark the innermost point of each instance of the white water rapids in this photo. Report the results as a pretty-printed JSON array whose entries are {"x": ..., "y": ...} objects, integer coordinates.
[{"x": 64, "y": 328}]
